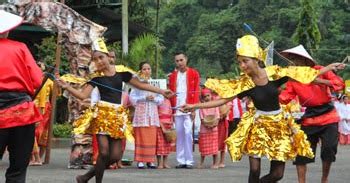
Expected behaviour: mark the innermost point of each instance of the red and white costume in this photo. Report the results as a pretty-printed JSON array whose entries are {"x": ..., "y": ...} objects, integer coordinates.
[{"x": 186, "y": 86}]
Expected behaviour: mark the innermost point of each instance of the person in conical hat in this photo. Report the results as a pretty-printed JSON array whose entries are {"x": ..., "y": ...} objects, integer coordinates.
[
  {"x": 20, "y": 77},
  {"x": 108, "y": 120},
  {"x": 266, "y": 130},
  {"x": 320, "y": 121},
  {"x": 299, "y": 56}
]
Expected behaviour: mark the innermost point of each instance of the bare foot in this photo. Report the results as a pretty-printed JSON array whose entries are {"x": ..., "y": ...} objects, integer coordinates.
[
  {"x": 221, "y": 165},
  {"x": 214, "y": 167},
  {"x": 113, "y": 166},
  {"x": 160, "y": 167},
  {"x": 166, "y": 166},
  {"x": 120, "y": 165},
  {"x": 200, "y": 166},
  {"x": 80, "y": 179}
]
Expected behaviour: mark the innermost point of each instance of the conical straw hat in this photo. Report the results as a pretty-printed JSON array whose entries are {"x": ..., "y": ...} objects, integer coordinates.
[
  {"x": 8, "y": 21},
  {"x": 300, "y": 51}
]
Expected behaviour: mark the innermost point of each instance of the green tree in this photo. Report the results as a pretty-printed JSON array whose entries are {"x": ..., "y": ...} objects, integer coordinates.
[
  {"x": 307, "y": 32},
  {"x": 47, "y": 54},
  {"x": 143, "y": 48}
]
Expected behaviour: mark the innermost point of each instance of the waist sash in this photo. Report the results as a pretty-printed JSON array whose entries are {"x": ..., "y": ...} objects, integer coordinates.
[
  {"x": 318, "y": 110},
  {"x": 9, "y": 99}
]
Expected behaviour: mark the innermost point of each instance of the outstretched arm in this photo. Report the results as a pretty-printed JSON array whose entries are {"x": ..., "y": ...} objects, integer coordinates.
[
  {"x": 332, "y": 67},
  {"x": 210, "y": 104},
  {"x": 85, "y": 93},
  {"x": 145, "y": 86}
]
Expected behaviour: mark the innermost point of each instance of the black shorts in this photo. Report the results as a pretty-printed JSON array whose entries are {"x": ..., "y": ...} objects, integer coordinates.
[{"x": 328, "y": 134}]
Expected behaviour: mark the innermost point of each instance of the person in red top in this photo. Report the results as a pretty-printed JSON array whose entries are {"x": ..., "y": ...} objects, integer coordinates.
[
  {"x": 320, "y": 121},
  {"x": 19, "y": 77},
  {"x": 185, "y": 82}
]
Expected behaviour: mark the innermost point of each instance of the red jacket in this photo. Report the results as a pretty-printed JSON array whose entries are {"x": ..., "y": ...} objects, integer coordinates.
[
  {"x": 19, "y": 73},
  {"x": 311, "y": 95},
  {"x": 193, "y": 90}
]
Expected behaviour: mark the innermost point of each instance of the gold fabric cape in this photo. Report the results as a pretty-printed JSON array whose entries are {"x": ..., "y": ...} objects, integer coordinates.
[{"x": 229, "y": 88}]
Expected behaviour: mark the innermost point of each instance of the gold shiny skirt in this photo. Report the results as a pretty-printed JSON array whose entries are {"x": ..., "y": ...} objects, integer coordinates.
[
  {"x": 272, "y": 135},
  {"x": 105, "y": 118}
]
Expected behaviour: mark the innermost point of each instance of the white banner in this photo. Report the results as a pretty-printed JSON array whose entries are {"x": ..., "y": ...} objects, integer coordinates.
[{"x": 160, "y": 83}]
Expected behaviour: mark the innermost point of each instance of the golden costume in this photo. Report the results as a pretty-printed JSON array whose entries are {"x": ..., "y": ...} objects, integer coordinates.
[
  {"x": 272, "y": 134},
  {"x": 105, "y": 117}
]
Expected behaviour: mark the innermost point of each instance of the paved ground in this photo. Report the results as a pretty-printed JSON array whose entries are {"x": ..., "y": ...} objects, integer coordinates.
[{"x": 56, "y": 171}]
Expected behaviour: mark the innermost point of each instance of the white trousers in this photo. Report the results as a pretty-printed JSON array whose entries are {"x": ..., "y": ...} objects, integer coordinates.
[{"x": 184, "y": 139}]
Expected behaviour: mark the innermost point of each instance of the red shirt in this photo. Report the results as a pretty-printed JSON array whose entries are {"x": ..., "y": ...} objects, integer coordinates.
[
  {"x": 311, "y": 95},
  {"x": 193, "y": 80},
  {"x": 18, "y": 73},
  {"x": 18, "y": 69}
]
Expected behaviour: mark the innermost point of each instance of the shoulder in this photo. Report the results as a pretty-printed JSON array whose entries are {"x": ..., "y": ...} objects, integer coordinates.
[
  {"x": 318, "y": 67},
  {"x": 15, "y": 44},
  {"x": 18, "y": 44},
  {"x": 172, "y": 74},
  {"x": 190, "y": 69},
  {"x": 125, "y": 76},
  {"x": 193, "y": 72}
]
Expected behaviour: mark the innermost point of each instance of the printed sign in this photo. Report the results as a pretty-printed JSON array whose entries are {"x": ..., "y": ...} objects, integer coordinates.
[{"x": 160, "y": 83}]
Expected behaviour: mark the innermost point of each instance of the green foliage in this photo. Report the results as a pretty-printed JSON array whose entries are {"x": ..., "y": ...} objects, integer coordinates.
[
  {"x": 138, "y": 12},
  {"x": 62, "y": 130},
  {"x": 307, "y": 32},
  {"x": 143, "y": 48},
  {"x": 207, "y": 30},
  {"x": 47, "y": 53}
]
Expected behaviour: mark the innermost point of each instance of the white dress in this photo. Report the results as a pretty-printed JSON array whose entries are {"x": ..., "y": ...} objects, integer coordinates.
[{"x": 344, "y": 114}]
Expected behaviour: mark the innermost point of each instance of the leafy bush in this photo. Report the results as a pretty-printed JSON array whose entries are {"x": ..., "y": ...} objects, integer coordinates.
[{"x": 62, "y": 130}]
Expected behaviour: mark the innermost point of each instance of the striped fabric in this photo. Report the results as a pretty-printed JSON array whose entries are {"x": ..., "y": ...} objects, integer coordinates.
[
  {"x": 222, "y": 134},
  {"x": 164, "y": 147},
  {"x": 145, "y": 143},
  {"x": 208, "y": 143}
]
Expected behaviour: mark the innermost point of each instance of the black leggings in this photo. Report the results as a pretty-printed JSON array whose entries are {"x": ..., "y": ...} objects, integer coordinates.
[
  {"x": 19, "y": 141},
  {"x": 275, "y": 174},
  {"x": 110, "y": 151}
]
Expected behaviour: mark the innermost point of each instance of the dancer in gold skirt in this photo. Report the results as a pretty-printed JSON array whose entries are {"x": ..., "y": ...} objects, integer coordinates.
[
  {"x": 266, "y": 130},
  {"x": 107, "y": 118}
]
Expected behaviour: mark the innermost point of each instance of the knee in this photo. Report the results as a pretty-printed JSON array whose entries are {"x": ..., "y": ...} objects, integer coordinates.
[
  {"x": 104, "y": 155},
  {"x": 328, "y": 153}
]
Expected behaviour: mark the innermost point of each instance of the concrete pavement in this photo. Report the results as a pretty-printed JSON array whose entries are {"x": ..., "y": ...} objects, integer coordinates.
[{"x": 57, "y": 172}]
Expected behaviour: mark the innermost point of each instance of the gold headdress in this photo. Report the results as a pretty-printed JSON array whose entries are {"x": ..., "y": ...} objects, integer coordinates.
[
  {"x": 248, "y": 46},
  {"x": 99, "y": 45}
]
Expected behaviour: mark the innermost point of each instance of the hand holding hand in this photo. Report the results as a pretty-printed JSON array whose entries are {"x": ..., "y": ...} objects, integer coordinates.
[
  {"x": 187, "y": 108},
  {"x": 167, "y": 93}
]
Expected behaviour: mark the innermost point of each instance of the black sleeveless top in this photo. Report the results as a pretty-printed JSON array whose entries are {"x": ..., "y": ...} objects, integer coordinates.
[
  {"x": 265, "y": 98},
  {"x": 116, "y": 82}
]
